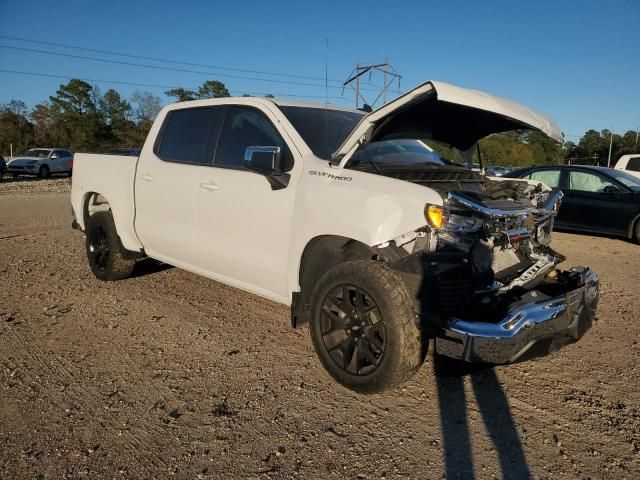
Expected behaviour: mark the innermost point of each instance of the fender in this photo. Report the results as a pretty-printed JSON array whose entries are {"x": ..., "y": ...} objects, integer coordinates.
[{"x": 353, "y": 202}]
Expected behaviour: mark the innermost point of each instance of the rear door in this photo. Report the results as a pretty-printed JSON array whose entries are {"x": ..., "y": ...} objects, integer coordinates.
[
  {"x": 55, "y": 161},
  {"x": 168, "y": 179},
  {"x": 594, "y": 202}
]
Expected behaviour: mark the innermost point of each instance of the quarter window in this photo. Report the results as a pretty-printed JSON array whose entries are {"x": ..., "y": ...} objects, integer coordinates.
[
  {"x": 247, "y": 127},
  {"x": 587, "y": 182},
  {"x": 551, "y": 178},
  {"x": 188, "y": 135}
]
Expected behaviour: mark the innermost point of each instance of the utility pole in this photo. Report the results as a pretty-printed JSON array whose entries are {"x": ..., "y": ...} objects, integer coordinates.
[
  {"x": 610, "y": 145},
  {"x": 389, "y": 73},
  {"x": 636, "y": 138}
]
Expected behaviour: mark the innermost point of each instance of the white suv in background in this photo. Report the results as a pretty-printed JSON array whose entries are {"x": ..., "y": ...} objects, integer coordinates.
[{"x": 42, "y": 162}]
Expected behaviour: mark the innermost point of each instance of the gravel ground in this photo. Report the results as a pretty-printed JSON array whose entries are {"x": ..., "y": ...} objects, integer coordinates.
[
  {"x": 34, "y": 185},
  {"x": 172, "y": 375}
]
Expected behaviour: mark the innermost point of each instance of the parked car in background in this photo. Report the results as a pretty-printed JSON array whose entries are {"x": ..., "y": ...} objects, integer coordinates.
[
  {"x": 3, "y": 167},
  {"x": 630, "y": 164},
  {"x": 42, "y": 162},
  {"x": 132, "y": 152},
  {"x": 497, "y": 171},
  {"x": 596, "y": 199}
]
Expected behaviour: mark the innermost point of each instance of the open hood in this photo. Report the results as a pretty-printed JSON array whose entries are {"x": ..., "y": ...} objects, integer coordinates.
[{"x": 447, "y": 113}]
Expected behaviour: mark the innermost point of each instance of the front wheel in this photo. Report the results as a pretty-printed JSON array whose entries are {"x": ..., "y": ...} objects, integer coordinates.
[
  {"x": 44, "y": 172},
  {"x": 108, "y": 259},
  {"x": 363, "y": 327}
]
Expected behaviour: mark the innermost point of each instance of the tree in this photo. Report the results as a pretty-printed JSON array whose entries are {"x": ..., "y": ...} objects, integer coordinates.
[
  {"x": 269, "y": 95},
  {"x": 181, "y": 94},
  {"x": 74, "y": 109},
  {"x": 46, "y": 130},
  {"x": 147, "y": 105},
  {"x": 73, "y": 98},
  {"x": 115, "y": 109},
  {"x": 212, "y": 89},
  {"x": 15, "y": 128}
]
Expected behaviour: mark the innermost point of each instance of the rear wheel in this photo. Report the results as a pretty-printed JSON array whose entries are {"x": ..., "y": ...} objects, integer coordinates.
[
  {"x": 108, "y": 259},
  {"x": 44, "y": 172},
  {"x": 363, "y": 327},
  {"x": 637, "y": 231}
]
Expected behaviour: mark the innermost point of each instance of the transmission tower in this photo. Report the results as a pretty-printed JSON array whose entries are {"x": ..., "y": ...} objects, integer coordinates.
[{"x": 389, "y": 75}]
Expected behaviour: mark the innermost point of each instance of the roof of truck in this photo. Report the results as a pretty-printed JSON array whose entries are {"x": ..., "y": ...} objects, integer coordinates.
[{"x": 290, "y": 102}]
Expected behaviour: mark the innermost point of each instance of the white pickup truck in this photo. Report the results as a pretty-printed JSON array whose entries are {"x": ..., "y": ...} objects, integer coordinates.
[
  {"x": 630, "y": 164},
  {"x": 352, "y": 219}
]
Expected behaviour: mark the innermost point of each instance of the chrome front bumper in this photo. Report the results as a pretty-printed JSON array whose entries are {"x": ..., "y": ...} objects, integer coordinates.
[{"x": 557, "y": 321}]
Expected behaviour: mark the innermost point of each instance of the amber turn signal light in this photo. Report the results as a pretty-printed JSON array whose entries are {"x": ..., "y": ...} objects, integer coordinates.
[{"x": 434, "y": 216}]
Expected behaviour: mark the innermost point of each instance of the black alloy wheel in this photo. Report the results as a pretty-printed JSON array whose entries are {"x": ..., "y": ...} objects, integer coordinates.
[
  {"x": 353, "y": 330},
  {"x": 98, "y": 248}
]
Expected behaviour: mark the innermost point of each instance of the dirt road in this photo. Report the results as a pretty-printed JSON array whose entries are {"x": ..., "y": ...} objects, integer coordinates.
[{"x": 172, "y": 375}]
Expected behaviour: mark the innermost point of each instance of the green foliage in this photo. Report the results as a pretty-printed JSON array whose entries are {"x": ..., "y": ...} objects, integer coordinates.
[
  {"x": 593, "y": 147},
  {"x": 209, "y": 89},
  {"x": 213, "y": 89},
  {"x": 181, "y": 94}
]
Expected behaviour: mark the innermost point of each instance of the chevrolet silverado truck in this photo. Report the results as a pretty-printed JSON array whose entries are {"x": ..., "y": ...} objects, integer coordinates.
[{"x": 381, "y": 244}]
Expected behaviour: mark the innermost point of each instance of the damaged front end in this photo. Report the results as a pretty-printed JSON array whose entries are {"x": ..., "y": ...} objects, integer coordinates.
[{"x": 486, "y": 281}]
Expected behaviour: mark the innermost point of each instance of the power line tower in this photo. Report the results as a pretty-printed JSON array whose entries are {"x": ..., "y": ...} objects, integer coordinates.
[{"x": 389, "y": 75}]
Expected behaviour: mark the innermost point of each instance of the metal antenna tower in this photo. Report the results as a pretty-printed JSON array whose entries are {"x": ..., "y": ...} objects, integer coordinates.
[{"x": 389, "y": 73}]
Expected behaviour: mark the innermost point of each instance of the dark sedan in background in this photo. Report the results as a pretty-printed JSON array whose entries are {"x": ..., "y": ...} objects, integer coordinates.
[{"x": 596, "y": 199}]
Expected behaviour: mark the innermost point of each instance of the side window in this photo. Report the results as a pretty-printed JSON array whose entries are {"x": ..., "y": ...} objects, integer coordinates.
[
  {"x": 247, "y": 127},
  {"x": 551, "y": 178},
  {"x": 587, "y": 182},
  {"x": 634, "y": 164},
  {"x": 187, "y": 135}
]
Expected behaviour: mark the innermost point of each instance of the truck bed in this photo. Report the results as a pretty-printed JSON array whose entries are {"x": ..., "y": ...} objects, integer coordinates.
[{"x": 113, "y": 176}]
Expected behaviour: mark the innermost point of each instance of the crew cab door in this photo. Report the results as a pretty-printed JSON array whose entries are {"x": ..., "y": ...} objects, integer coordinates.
[
  {"x": 243, "y": 226},
  {"x": 167, "y": 183}
]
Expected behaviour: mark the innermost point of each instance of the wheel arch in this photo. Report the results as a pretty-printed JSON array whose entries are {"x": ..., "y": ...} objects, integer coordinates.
[
  {"x": 320, "y": 254},
  {"x": 632, "y": 226}
]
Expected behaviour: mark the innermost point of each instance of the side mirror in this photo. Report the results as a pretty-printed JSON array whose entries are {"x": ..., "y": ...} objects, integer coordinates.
[
  {"x": 264, "y": 160},
  {"x": 55, "y": 155},
  {"x": 611, "y": 189},
  {"x": 267, "y": 161}
]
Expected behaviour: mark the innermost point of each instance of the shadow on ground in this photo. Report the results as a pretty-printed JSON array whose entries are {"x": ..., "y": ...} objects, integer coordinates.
[
  {"x": 494, "y": 410},
  {"x": 147, "y": 266}
]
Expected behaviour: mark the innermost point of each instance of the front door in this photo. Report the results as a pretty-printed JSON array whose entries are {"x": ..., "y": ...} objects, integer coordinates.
[{"x": 243, "y": 226}]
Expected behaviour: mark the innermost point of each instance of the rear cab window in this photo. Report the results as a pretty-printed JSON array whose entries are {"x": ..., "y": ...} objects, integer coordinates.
[{"x": 188, "y": 135}]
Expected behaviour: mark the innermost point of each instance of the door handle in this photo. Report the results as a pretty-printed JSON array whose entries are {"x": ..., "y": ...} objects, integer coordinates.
[
  {"x": 209, "y": 186},
  {"x": 145, "y": 177}
]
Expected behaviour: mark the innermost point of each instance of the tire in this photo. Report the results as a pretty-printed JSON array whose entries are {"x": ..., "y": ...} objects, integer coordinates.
[
  {"x": 108, "y": 259},
  {"x": 44, "y": 172},
  {"x": 376, "y": 332},
  {"x": 636, "y": 231}
]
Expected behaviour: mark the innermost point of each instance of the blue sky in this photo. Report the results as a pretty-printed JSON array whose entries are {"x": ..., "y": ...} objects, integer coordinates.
[{"x": 578, "y": 62}]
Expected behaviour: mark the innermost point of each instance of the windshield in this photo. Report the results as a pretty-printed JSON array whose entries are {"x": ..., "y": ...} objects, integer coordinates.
[
  {"x": 36, "y": 152},
  {"x": 323, "y": 130},
  {"x": 397, "y": 153},
  {"x": 626, "y": 178}
]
